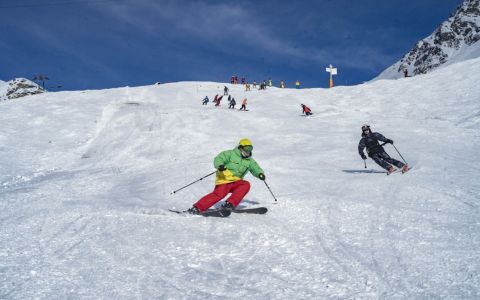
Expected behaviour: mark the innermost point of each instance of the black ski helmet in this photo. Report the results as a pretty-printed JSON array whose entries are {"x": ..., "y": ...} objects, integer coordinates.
[{"x": 366, "y": 127}]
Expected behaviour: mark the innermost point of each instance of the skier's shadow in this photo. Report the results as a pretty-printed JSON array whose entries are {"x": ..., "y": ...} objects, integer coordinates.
[
  {"x": 250, "y": 201},
  {"x": 240, "y": 206},
  {"x": 363, "y": 171}
]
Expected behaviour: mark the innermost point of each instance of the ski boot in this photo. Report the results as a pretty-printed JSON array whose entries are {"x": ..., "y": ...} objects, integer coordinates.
[
  {"x": 193, "y": 210},
  {"x": 227, "y": 206},
  {"x": 390, "y": 170}
]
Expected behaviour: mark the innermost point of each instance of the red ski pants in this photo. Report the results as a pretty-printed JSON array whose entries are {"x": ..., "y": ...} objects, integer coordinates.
[{"x": 238, "y": 189}]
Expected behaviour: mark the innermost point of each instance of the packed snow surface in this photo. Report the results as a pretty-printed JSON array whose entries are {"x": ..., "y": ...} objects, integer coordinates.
[{"x": 86, "y": 176}]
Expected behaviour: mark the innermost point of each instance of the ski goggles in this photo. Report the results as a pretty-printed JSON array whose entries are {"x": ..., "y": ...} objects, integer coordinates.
[{"x": 248, "y": 148}]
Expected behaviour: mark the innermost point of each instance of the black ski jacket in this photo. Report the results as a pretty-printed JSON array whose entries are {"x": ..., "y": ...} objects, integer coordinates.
[{"x": 370, "y": 142}]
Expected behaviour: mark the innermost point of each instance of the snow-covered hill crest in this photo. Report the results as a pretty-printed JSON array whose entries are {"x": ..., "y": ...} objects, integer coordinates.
[{"x": 456, "y": 39}]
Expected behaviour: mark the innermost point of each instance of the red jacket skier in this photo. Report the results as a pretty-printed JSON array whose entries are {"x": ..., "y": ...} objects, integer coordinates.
[{"x": 306, "y": 110}]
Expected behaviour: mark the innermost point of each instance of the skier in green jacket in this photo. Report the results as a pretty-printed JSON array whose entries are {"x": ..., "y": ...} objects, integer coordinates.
[{"x": 232, "y": 166}]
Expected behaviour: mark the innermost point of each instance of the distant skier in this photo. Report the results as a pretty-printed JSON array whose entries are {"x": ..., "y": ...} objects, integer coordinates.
[
  {"x": 270, "y": 83},
  {"x": 232, "y": 166},
  {"x": 297, "y": 84},
  {"x": 205, "y": 100},
  {"x": 218, "y": 101},
  {"x": 405, "y": 73},
  {"x": 282, "y": 84},
  {"x": 215, "y": 99},
  {"x": 232, "y": 103},
  {"x": 375, "y": 151},
  {"x": 225, "y": 90},
  {"x": 244, "y": 104},
  {"x": 243, "y": 80},
  {"x": 306, "y": 110},
  {"x": 247, "y": 87},
  {"x": 254, "y": 84}
]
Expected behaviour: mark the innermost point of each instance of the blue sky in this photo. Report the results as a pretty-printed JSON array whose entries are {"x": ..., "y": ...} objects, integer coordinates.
[{"x": 91, "y": 44}]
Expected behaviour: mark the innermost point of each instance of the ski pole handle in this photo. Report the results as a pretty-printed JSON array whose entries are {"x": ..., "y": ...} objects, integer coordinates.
[{"x": 173, "y": 192}]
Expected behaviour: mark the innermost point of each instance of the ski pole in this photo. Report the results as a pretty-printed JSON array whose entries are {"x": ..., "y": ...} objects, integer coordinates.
[
  {"x": 399, "y": 154},
  {"x": 173, "y": 192},
  {"x": 270, "y": 191}
]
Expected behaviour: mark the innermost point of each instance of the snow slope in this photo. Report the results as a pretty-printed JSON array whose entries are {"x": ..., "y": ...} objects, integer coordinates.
[{"x": 86, "y": 177}]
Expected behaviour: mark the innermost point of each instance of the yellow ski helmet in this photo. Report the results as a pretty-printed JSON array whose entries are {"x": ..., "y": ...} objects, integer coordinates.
[{"x": 245, "y": 142}]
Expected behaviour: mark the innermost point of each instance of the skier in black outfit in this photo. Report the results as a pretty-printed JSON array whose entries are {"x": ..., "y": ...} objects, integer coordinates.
[
  {"x": 232, "y": 103},
  {"x": 376, "y": 152}
]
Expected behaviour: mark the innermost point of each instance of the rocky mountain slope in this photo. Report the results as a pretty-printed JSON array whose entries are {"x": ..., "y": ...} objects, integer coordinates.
[
  {"x": 19, "y": 87},
  {"x": 456, "y": 39}
]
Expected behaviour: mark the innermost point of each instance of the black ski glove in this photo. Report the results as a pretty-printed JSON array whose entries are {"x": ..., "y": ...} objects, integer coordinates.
[
  {"x": 221, "y": 168},
  {"x": 261, "y": 176},
  {"x": 389, "y": 141}
]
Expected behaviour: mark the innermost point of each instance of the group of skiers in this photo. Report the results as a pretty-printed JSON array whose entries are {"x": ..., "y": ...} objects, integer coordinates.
[
  {"x": 232, "y": 166},
  {"x": 263, "y": 84},
  {"x": 231, "y": 100}
]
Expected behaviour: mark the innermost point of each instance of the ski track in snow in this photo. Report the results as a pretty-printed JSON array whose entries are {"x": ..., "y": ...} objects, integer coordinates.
[{"x": 86, "y": 179}]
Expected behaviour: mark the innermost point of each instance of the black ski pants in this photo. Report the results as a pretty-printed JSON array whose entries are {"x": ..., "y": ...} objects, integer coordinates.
[{"x": 384, "y": 160}]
